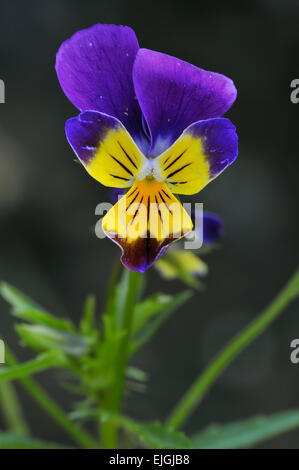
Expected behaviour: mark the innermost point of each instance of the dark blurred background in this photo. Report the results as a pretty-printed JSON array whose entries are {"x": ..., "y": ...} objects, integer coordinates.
[{"x": 48, "y": 248}]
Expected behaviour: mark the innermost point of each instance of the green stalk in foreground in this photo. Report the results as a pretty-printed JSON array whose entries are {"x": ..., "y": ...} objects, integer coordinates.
[
  {"x": 81, "y": 437},
  {"x": 199, "y": 388},
  {"x": 130, "y": 286}
]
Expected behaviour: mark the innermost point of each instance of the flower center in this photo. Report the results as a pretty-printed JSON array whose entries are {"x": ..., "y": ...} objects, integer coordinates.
[{"x": 149, "y": 171}]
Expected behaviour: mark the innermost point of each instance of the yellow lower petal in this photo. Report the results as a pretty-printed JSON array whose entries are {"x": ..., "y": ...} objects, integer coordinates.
[{"x": 144, "y": 221}]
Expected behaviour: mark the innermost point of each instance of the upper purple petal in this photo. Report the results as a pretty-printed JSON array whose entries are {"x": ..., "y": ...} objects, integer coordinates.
[
  {"x": 174, "y": 94},
  {"x": 94, "y": 68}
]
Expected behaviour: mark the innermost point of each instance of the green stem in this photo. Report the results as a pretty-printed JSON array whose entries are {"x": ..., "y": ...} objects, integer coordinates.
[
  {"x": 130, "y": 287},
  {"x": 195, "y": 394},
  {"x": 113, "y": 280},
  {"x": 12, "y": 411},
  {"x": 58, "y": 415},
  {"x": 107, "y": 428}
]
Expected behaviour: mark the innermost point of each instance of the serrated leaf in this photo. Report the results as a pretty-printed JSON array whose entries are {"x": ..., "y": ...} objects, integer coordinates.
[
  {"x": 246, "y": 433},
  {"x": 156, "y": 435},
  {"x": 159, "y": 437},
  {"x": 43, "y": 338},
  {"x": 153, "y": 434}
]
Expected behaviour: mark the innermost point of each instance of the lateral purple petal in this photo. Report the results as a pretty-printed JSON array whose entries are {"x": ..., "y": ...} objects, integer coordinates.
[
  {"x": 174, "y": 94},
  {"x": 105, "y": 148},
  {"x": 220, "y": 143},
  {"x": 203, "y": 151},
  {"x": 94, "y": 68},
  {"x": 86, "y": 131}
]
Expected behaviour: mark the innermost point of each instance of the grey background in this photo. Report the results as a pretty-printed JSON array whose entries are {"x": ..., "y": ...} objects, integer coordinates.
[{"x": 48, "y": 248}]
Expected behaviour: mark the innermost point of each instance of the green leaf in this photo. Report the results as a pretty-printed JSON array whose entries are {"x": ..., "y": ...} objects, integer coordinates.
[
  {"x": 109, "y": 324},
  {"x": 87, "y": 323},
  {"x": 136, "y": 379},
  {"x": 28, "y": 310},
  {"x": 42, "y": 362},
  {"x": 136, "y": 374},
  {"x": 143, "y": 311},
  {"x": 43, "y": 338},
  {"x": 48, "y": 404},
  {"x": 155, "y": 435},
  {"x": 17, "y": 299},
  {"x": 154, "y": 325},
  {"x": 13, "y": 441},
  {"x": 40, "y": 317},
  {"x": 246, "y": 433}
]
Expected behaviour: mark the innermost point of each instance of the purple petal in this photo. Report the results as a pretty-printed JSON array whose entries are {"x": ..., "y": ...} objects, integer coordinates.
[
  {"x": 212, "y": 227},
  {"x": 141, "y": 255},
  {"x": 174, "y": 94},
  {"x": 115, "y": 194},
  {"x": 201, "y": 153},
  {"x": 85, "y": 131},
  {"x": 94, "y": 68},
  {"x": 220, "y": 143},
  {"x": 105, "y": 148}
]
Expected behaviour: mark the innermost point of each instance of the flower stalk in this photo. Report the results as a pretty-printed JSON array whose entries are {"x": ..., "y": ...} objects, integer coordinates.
[
  {"x": 197, "y": 391},
  {"x": 113, "y": 400}
]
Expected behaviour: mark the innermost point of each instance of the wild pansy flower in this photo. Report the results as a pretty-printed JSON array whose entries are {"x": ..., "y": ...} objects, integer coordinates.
[
  {"x": 149, "y": 123},
  {"x": 179, "y": 262}
]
